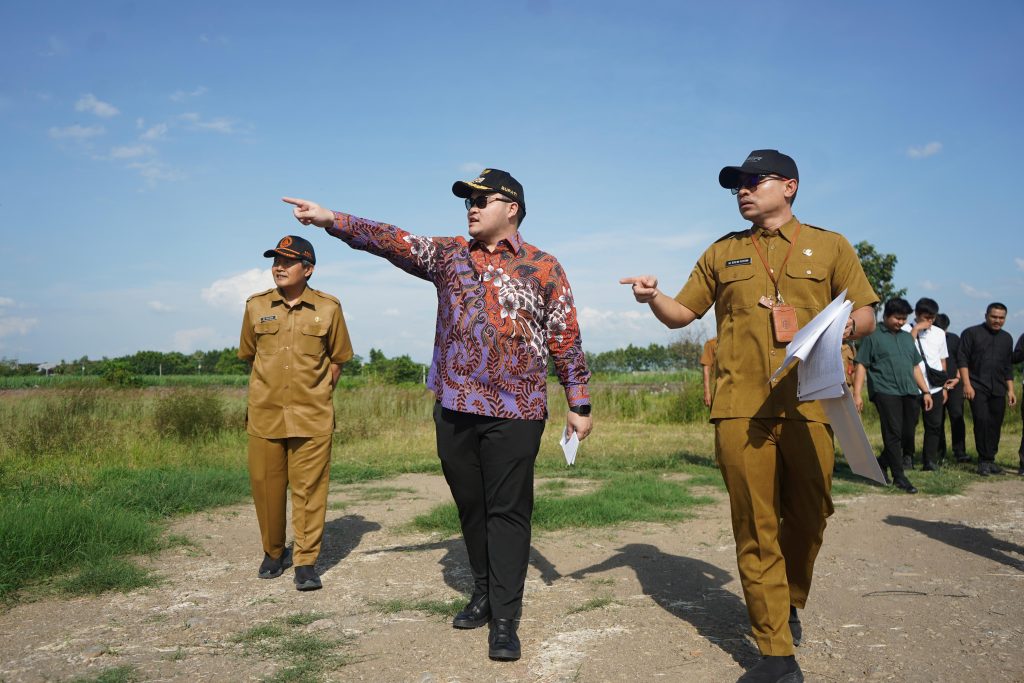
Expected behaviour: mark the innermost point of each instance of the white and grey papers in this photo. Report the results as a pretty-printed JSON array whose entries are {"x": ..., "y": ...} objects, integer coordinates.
[
  {"x": 569, "y": 446},
  {"x": 820, "y": 376}
]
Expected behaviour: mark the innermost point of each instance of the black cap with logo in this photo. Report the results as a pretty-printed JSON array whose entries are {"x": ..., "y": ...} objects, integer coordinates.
[
  {"x": 760, "y": 161},
  {"x": 493, "y": 180},
  {"x": 293, "y": 246}
]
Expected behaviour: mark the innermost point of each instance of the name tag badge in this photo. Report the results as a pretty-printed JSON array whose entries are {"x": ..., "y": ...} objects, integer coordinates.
[
  {"x": 268, "y": 318},
  {"x": 738, "y": 262}
]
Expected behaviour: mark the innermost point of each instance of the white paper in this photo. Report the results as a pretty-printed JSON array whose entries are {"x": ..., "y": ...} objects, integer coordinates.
[
  {"x": 569, "y": 446},
  {"x": 821, "y": 377},
  {"x": 849, "y": 430}
]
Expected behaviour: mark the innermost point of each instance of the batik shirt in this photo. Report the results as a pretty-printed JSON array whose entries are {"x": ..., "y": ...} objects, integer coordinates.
[{"x": 500, "y": 316}]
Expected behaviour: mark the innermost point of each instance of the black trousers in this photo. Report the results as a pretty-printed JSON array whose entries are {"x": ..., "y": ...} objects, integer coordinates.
[
  {"x": 909, "y": 433},
  {"x": 988, "y": 412},
  {"x": 488, "y": 464},
  {"x": 933, "y": 434},
  {"x": 954, "y": 410},
  {"x": 893, "y": 414}
]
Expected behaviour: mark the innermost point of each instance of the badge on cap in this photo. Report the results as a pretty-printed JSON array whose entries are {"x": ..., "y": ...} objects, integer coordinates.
[
  {"x": 316, "y": 319},
  {"x": 807, "y": 252}
]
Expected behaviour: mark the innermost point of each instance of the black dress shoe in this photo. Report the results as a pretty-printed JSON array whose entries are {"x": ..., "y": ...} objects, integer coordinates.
[
  {"x": 476, "y": 613},
  {"x": 904, "y": 484},
  {"x": 502, "y": 642},
  {"x": 306, "y": 578},
  {"x": 795, "y": 627},
  {"x": 271, "y": 568},
  {"x": 993, "y": 468},
  {"x": 774, "y": 670},
  {"x": 929, "y": 467},
  {"x": 963, "y": 457}
]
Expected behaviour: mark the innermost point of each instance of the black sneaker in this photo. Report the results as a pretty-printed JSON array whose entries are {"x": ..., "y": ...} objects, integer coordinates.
[
  {"x": 271, "y": 568},
  {"x": 774, "y": 670},
  {"x": 306, "y": 579},
  {"x": 502, "y": 642},
  {"x": 994, "y": 468},
  {"x": 476, "y": 613},
  {"x": 795, "y": 627}
]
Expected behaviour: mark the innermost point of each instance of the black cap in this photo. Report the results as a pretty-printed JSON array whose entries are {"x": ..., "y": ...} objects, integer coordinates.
[
  {"x": 293, "y": 246},
  {"x": 493, "y": 180},
  {"x": 759, "y": 161}
]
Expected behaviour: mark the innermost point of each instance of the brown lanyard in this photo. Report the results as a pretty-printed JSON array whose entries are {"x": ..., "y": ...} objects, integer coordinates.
[{"x": 771, "y": 273}]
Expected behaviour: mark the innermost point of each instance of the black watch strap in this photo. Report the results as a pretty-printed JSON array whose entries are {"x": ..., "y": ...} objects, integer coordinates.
[{"x": 582, "y": 409}]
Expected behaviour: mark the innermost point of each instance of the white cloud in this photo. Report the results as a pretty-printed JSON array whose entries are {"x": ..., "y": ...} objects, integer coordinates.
[
  {"x": 76, "y": 132},
  {"x": 929, "y": 286},
  {"x": 102, "y": 109},
  {"x": 156, "y": 132},
  {"x": 218, "y": 125},
  {"x": 4, "y": 301},
  {"x": 931, "y": 149},
  {"x": 131, "y": 152},
  {"x": 471, "y": 167},
  {"x": 155, "y": 171},
  {"x": 1020, "y": 263},
  {"x": 190, "y": 340},
  {"x": 9, "y": 326},
  {"x": 594, "y": 319},
  {"x": 54, "y": 47},
  {"x": 231, "y": 292},
  {"x": 181, "y": 95},
  {"x": 159, "y": 307},
  {"x": 973, "y": 292}
]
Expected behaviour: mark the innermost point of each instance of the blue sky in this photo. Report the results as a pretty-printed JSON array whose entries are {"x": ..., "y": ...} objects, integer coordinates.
[{"x": 146, "y": 147}]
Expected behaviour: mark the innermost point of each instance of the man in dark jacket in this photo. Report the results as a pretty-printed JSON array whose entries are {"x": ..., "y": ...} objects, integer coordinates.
[{"x": 954, "y": 408}]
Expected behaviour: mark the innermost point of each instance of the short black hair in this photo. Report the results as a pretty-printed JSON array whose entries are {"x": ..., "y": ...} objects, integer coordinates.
[
  {"x": 942, "y": 321},
  {"x": 995, "y": 304},
  {"x": 926, "y": 306},
  {"x": 896, "y": 306}
]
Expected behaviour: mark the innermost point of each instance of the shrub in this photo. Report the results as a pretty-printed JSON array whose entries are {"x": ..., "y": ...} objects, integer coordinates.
[{"x": 190, "y": 415}]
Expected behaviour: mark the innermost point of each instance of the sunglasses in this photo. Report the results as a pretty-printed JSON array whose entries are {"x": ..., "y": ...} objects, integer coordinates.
[
  {"x": 483, "y": 200},
  {"x": 752, "y": 181}
]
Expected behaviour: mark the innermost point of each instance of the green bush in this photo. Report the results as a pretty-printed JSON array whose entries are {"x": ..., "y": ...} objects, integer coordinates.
[
  {"x": 190, "y": 415},
  {"x": 54, "y": 425}
]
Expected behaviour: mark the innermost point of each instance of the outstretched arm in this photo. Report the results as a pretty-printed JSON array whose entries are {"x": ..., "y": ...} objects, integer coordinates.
[
  {"x": 310, "y": 213},
  {"x": 666, "y": 309}
]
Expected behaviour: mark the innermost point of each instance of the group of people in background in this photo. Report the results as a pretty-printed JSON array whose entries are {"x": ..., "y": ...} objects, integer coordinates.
[{"x": 920, "y": 368}]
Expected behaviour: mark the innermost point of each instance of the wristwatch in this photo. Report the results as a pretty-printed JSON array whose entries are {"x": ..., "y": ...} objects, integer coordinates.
[{"x": 583, "y": 409}]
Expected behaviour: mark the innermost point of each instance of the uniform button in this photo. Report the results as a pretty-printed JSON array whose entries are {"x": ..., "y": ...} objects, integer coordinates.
[
  {"x": 772, "y": 247},
  {"x": 772, "y": 352},
  {"x": 286, "y": 367},
  {"x": 808, "y": 272}
]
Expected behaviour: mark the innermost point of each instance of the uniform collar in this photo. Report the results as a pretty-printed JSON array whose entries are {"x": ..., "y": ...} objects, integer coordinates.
[
  {"x": 513, "y": 243},
  {"x": 305, "y": 298},
  {"x": 786, "y": 230}
]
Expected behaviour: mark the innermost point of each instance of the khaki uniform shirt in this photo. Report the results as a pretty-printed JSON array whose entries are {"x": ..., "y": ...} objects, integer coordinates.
[
  {"x": 731, "y": 276},
  {"x": 291, "y": 349}
]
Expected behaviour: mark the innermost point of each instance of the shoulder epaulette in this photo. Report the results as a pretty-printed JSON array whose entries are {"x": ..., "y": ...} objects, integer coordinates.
[
  {"x": 325, "y": 295},
  {"x": 808, "y": 225},
  {"x": 265, "y": 291},
  {"x": 732, "y": 235}
]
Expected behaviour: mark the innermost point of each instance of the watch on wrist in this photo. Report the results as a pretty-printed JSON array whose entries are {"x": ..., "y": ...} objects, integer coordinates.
[{"x": 582, "y": 409}]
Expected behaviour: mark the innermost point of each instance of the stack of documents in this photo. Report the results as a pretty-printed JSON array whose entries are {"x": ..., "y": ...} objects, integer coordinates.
[{"x": 821, "y": 377}]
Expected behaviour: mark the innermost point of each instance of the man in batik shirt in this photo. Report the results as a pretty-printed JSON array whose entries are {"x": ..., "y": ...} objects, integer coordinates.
[{"x": 503, "y": 306}]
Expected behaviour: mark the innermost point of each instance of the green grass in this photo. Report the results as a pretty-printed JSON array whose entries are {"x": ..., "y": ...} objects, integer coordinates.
[
  {"x": 621, "y": 498},
  {"x": 118, "y": 674},
  {"x": 592, "y": 604},
  {"x": 439, "y": 608},
  {"x": 305, "y": 656},
  {"x": 89, "y": 474}
]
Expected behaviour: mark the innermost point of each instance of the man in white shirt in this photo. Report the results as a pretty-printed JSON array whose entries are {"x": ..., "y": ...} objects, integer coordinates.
[{"x": 931, "y": 343}]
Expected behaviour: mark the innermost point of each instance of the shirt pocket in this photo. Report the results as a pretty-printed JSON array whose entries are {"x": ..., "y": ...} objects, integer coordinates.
[
  {"x": 737, "y": 288},
  {"x": 312, "y": 341},
  {"x": 267, "y": 340},
  {"x": 807, "y": 289}
]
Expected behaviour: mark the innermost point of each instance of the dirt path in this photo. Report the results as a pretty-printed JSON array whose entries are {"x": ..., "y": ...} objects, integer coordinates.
[{"x": 909, "y": 588}]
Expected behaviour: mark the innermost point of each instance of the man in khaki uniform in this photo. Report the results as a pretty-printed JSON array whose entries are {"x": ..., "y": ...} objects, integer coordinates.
[
  {"x": 296, "y": 339},
  {"x": 775, "y": 453}
]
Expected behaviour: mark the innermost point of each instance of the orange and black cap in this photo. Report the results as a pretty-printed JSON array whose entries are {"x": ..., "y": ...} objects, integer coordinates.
[
  {"x": 758, "y": 162},
  {"x": 493, "y": 180},
  {"x": 293, "y": 246}
]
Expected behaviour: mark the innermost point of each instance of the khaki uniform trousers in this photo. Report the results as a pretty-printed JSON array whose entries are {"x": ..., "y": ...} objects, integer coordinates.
[
  {"x": 305, "y": 463},
  {"x": 779, "y": 477}
]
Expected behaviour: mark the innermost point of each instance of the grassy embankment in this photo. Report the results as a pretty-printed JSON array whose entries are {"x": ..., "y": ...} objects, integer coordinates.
[{"x": 88, "y": 474}]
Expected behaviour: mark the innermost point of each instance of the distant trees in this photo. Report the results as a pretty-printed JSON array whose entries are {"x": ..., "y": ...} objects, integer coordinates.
[{"x": 880, "y": 269}]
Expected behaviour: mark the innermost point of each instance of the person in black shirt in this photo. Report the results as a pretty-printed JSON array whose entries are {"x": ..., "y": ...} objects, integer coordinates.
[
  {"x": 986, "y": 371},
  {"x": 954, "y": 408}
]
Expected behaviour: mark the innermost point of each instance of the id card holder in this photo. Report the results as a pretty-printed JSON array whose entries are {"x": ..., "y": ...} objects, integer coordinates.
[{"x": 784, "y": 322}]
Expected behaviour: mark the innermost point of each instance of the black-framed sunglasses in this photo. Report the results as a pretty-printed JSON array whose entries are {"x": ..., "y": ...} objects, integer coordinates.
[
  {"x": 483, "y": 200},
  {"x": 752, "y": 181}
]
